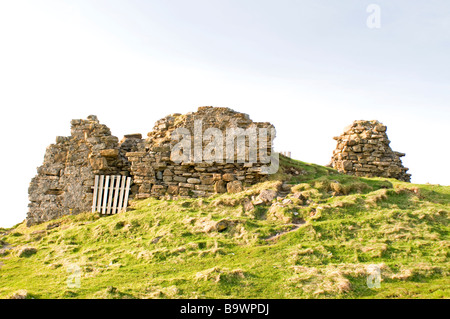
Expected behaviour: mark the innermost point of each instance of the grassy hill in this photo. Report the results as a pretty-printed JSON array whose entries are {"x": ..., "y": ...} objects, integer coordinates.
[{"x": 315, "y": 242}]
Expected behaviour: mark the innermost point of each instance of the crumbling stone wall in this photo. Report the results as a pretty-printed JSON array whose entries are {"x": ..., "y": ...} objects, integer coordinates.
[
  {"x": 363, "y": 150},
  {"x": 64, "y": 182},
  {"x": 156, "y": 174}
]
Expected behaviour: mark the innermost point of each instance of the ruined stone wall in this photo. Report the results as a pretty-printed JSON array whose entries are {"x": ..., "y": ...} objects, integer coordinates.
[
  {"x": 156, "y": 174},
  {"x": 363, "y": 150},
  {"x": 63, "y": 184}
]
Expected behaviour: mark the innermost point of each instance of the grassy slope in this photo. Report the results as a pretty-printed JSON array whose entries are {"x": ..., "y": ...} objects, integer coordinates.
[{"x": 171, "y": 249}]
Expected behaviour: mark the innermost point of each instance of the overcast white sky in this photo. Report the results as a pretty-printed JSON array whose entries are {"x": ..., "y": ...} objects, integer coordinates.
[{"x": 309, "y": 67}]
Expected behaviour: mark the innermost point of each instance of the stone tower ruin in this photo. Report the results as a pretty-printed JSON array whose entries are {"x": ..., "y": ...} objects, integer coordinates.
[
  {"x": 363, "y": 150},
  {"x": 63, "y": 184}
]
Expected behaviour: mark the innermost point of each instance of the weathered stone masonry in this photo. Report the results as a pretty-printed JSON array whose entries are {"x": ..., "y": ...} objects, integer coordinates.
[
  {"x": 363, "y": 150},
  {"x": 157, "y": 175},
  {"x": 64, "y": 182}
]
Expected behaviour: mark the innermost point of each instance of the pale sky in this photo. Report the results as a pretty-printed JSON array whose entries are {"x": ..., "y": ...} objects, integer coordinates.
[{"x": 309, "y": 67}]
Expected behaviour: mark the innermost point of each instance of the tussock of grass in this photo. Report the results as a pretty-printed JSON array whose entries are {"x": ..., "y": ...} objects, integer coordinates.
[
  {"x": 217, "y": 274},
  {"x": 319, "y": 281}
]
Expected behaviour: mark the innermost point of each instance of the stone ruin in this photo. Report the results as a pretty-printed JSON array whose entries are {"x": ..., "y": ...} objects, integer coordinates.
[
  {"x": 157, "y": 175},
  {"x": 64, "y": 183},
  {"x": 363, "y": 150}
]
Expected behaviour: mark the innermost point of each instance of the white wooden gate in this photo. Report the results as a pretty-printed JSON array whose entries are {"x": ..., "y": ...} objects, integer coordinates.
[{"x": 110, "y": 194}]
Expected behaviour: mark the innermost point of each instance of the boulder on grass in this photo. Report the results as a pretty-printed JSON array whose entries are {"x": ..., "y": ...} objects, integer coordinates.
[{"x": 234, "y": 187}]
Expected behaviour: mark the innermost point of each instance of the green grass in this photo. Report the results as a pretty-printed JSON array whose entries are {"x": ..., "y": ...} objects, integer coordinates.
[{"x": 171, "y": 249}]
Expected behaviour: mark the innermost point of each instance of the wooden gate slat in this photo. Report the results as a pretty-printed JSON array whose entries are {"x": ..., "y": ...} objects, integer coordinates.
[
  {"x": 116, "y": 195},
  {"x": 100, "y": 192},
  {"x": 122, "y": 191},
  {"x": 127, "y": 192},
  {"x": 110, "y": 196},
  {"x": 94, "y": 197},
  {"x": 105, "y": 194}
]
